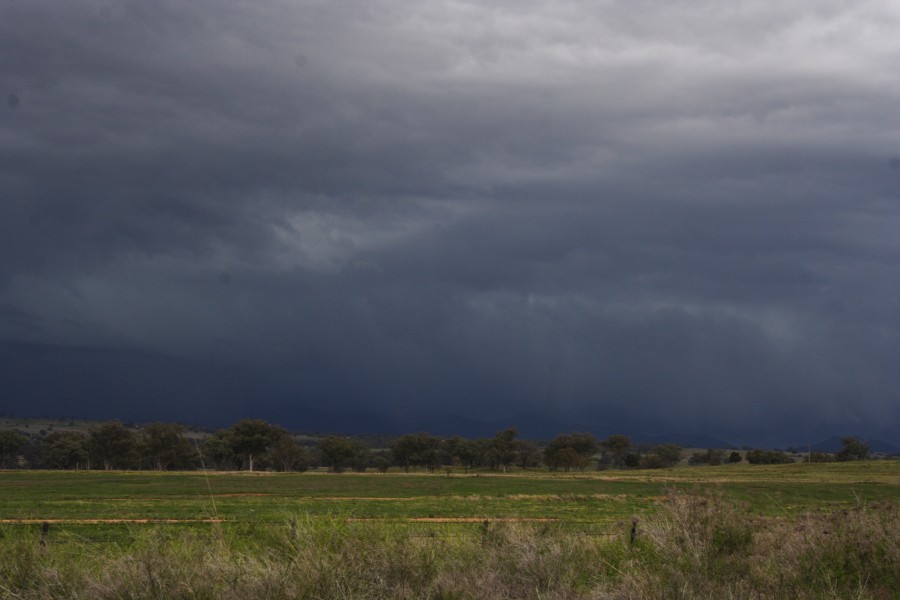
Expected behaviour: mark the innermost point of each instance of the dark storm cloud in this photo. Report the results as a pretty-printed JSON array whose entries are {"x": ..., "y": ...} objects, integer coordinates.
[{"x": 650, "y": 216}]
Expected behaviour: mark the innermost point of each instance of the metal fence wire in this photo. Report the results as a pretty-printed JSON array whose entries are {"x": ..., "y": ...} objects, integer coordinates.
[{"x": 126, "y": 534}]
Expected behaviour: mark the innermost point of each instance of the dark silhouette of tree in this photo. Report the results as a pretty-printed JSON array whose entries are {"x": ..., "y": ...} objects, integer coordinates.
[
  {"x": 381, "y": 463},
  {"x": 472, "y": 453},
  {"x": 289, "y": 455},
  {"x": 618, "y": 447},
  {"x": 663, "y": 456},
  {"x": 853, "y": 449},
  {"x": 216, "y": 452},
  {"x": 339, "y": 453},
  {"x": 11, "y": 442},
  {"x": 821, "y": 457},
  {"x": 416, "y": 450},
  {"x": 767, "y": 457},
  {"x": 164, "y": 446},
  {"x": 362, "y": 457},
  {"x": 712, "y": 457},
  {"x": 502, "y": 449},
  {"x": 735, "y": 457},
  {"x": 584, "y": 445},
  {"x": 65, "y": 450},
  {"x": 112, "y": 445},
  {"x": 567, "y": 458},
  {"x": 528, "y": 455},
  {"x": 252, "y": 437}
]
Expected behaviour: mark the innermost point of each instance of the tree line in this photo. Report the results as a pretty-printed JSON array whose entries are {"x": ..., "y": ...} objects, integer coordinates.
[{"x": 254, "y": 444}]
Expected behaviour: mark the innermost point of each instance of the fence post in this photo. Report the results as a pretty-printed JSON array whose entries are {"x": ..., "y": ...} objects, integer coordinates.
[{"x": 45, "y": 529}]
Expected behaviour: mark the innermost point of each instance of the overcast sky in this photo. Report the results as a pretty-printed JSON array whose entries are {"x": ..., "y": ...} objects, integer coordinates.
[{"x": 648, "y": 216}]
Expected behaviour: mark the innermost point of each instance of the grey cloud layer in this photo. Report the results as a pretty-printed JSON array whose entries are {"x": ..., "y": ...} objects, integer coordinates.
[{"x": 657, "y": 215}]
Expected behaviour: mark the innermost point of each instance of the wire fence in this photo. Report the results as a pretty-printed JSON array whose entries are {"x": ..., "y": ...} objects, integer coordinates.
[{"x": 130, "y": 532}]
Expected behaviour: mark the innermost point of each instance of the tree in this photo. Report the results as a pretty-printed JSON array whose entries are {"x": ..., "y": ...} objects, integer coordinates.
[
  {"x": 252, "y": 437},
  {"x": 735, "y": 457},
  {"x": 502, "y": 449},
  {"x": 65, "y": 450},
  {"x": 165, "y": 446},
  {"x": 217, "y": 452},
  {"x": 567, "y": 458},
  {"x": 853, "y": 449},
  {"x": 767, "y": 457},
  {"x": 448, "y": 450},
  {"x": 618, "y": 447},
  {"x": 666, "y": 455},
  {"x": 712, "y": 456},
  {"x": 112, "y": 445},
  {"x": 338, "y": 453},
  {"x": 362, "y": 457},
  {"x": 289, "y": 455},
  {"x": 10, "y": 444},
  {"x": 584, "y": 445},
  {"x": 472, "y": 453},
  {"x": 821, "y": 457},
  {"x": 381, "y": 462},
  {"x": 416, "y": 450},
  {"x": 529, "y": 455}
]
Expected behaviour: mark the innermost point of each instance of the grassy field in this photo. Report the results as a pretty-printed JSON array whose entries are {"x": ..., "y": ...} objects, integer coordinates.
[
  {"x": 572, "y": 532},
  {"x": 77, "y": 497}
]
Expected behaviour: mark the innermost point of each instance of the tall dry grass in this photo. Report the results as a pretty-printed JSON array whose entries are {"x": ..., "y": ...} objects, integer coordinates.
[{"x": 692, "y": 547}]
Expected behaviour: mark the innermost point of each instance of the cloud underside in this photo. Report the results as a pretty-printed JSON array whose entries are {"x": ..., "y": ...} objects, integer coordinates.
[{"x": 677, "y": 217}]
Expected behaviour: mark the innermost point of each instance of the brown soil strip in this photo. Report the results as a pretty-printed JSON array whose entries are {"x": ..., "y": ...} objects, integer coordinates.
[
  {"x": 463, "y": 519},
  {"x": 105, "y": 521},
  {"x": 242, "y": 495}
]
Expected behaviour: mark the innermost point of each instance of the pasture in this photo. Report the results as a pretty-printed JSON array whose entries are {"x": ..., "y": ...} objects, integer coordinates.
[{"x": 442, "y": 525}]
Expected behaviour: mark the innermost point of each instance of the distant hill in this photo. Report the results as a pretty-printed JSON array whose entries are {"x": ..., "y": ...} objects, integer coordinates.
[
  {"x": 687, "y": 440},
  {"x": 530, "y": 426},
  {"x": 833, "y": 444},
  {"x": 312, "y": 420}
]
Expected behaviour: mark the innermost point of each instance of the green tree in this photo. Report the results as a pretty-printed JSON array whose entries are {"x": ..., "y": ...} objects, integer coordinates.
[
  {"x": 715, "y": 456},
  {"x": 11, "y": 442},
  {"x": 735, "y": 457},
  {"x": 450, "y": 450},
  {"x": 381, "y": 462},
  {"x": 112, "y": 445},
  {"x": 665, "y": 455},
  {"x": 618, "y": 447},
  {"x": 584, "y": 445},
  {"x": 502, "y": 449},
  {"x": 528, "y": 454},
  {"x": 217, "y": 452},
  {"x": 339, "y": 453},
  {"x": 853, "y": 449},
  {"x": 416, "y": 450},
  {"x": 289, "y": 455},
  {"x": 712, "y": 456},
  {"x": 821, "y": 457},
  {"x": 252, "y": 437},
  {"x": 767, "y": 457},
  {"x": 65, "y": 450},
  {"x": 567, "y": 458},
  {"x": 472, "y": 453},
  {"x": 165, "y": 447}
]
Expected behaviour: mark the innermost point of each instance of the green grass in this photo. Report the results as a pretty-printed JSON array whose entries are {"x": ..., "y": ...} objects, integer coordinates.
[
  {"x": 739, "y": 531},
  {"x": 584, "y": 497}
]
